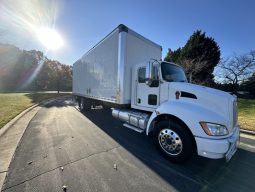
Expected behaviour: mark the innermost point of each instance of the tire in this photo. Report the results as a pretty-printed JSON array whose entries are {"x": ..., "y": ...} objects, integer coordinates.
[
  {"x": 79, "y": 103},
  {"x": 173, "y": 141},
  {"x": 83, "y": 105}
]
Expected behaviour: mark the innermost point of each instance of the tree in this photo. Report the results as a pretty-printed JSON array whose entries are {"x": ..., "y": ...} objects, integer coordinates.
[
  {"x": 250, "y": 84},
  {"x": 16, "y": 67},
  {"x": 198, "y": 57},
  {"x": 173, "y": 56},
  {"x": 31, "y": 71},
  {"x": 33, "y": 62},
  {"x": 61, "y": 76},
  {"x": 237, "y": 69}
]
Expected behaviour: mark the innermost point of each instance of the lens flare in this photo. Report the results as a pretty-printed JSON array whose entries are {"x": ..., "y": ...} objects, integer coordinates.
[
  {"x": 25, "y": 23},
  {"x": 22, "y": 20},
  {"x": 49, "y": 38}
]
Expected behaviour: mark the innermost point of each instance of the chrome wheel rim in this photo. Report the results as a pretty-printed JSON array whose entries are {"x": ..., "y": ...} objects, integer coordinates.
[{"x": 170, "y": 141}]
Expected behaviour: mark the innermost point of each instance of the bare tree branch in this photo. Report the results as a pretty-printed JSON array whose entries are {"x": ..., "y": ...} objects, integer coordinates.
[{"x": 237, "y": 68}]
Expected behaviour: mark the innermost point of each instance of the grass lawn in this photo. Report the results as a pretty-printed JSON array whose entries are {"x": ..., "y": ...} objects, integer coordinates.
[
  {"x": 246, "y": 114},
  {"x": 11, "y": 104}
]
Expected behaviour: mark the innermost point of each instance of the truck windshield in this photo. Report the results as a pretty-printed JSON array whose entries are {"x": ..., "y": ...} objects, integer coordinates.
[{"x": 172, "y": 73}]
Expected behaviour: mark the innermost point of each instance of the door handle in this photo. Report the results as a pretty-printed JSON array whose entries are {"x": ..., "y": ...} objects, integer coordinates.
[{"x": 138, "y": 100}]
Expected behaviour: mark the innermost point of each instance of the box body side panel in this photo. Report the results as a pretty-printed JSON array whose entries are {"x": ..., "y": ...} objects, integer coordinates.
[
  {"x": 105, "y": 71},
  {"x": 95, "y": 74}
]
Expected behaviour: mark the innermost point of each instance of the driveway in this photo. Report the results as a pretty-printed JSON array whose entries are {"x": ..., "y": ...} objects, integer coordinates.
[{"x": 94, "y": 152}]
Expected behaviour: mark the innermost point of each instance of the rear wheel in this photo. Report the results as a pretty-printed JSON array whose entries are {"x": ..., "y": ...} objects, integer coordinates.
[
  {"x": 173, "y": 141},
  {"x": 83, "y": 105}
]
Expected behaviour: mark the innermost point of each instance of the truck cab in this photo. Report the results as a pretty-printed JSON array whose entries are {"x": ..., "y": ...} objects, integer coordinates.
[
  {"x": 183, "y": 118},
  {"x": 150, "y": 87}
]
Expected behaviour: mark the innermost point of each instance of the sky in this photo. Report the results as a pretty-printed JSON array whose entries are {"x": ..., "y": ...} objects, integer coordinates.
[{"x": 169, "y": 23}]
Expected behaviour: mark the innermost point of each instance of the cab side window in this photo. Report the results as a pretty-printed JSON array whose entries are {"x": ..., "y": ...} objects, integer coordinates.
[
  {"x": 155, "y": 76},
  {"x": 141, "y": 75}
]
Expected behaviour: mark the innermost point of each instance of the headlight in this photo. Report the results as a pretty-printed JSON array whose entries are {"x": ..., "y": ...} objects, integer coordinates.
[{"x": 214, "y": 129}]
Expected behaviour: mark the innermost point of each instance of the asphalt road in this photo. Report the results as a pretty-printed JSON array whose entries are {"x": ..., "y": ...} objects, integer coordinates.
[{"x": 98, "y": 154}]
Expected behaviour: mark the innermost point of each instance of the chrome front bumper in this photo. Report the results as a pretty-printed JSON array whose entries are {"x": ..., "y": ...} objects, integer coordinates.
[{"x": 218, "y": 148}]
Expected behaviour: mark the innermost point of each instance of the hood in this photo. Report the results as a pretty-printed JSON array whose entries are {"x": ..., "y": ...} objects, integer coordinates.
[{"x": 218, "y": 101}]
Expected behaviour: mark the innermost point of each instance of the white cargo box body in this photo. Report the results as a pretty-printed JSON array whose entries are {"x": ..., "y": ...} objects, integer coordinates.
[{"x": 104, "y": 72}]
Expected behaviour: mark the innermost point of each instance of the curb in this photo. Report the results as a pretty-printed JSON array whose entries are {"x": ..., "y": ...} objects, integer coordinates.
[
  {"x": 5, "y": 128},
  {"x": 247, "y": 132}
]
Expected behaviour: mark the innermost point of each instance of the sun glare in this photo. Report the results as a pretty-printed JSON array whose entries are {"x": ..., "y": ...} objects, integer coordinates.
[{"x": 49, "y": 38}]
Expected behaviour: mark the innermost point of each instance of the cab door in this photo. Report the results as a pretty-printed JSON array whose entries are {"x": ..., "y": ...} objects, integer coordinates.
[{"x": 147, "y": 96}]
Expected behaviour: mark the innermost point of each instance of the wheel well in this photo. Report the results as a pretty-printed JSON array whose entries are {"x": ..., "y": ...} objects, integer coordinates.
[{"x": 167, "y": 117}]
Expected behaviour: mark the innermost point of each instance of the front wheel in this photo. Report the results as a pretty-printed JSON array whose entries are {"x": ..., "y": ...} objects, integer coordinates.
[{"x": 173, "y": 141}]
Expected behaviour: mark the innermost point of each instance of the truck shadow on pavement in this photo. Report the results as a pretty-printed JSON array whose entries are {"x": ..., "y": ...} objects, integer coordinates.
[
  {"x": 202, "y": 174},
  {"x": 63, "y": 101}
]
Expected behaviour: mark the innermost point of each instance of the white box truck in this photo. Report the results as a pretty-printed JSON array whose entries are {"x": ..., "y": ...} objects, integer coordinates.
[{"x": 124, "y": 70}]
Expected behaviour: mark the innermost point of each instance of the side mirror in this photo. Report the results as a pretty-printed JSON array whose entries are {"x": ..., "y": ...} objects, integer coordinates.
[
  {"x": 151, "y": 75},
  {"x": 148, "y": 74}
]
